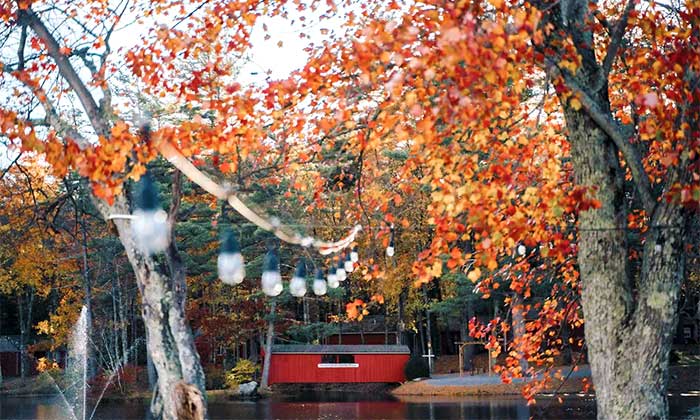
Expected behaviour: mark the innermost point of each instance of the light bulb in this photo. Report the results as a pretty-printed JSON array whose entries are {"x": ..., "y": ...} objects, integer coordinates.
[
  {"x": 390, "y": 251},
  {"x": 271, "y": 282},
  {"x": 521, "y": 250},
  {"x": 277, "y": 289},
  {"x": 349, "y": 266},
  {"x": 333, "y": 282},
  {"x": 340, "y": 273},
  {"x": 297, "y": 286},
  {"x": 319, "y": 287},
  {"x": 150, "y": 230},
  {"x": 331, "y": 276},
  {"x": 231, "y": 268},
  {"x": 354, "y": 256}
]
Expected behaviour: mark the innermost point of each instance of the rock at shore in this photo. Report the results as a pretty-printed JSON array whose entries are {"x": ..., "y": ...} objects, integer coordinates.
[{"x": 247, "y": 389}]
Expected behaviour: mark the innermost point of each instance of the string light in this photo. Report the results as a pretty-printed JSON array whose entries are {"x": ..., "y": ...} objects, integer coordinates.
[
  {"x": 340, "y": 272},
  {"x": 332, "y": 278},
  {"x": 297, "y": 286},
  {"x": 269, "y": 224},
  {"x": 390, "y": 248},
  {"x": 349, "y": 264},
  {"x": 354, "y": 256},
  {"x": 271, "y": 277},
  {"x": 149, "y": 224},
  {"x": 230, "y": 263},
  {"x": 319, "y": 285},
  {"x": 521, "y": 250}
]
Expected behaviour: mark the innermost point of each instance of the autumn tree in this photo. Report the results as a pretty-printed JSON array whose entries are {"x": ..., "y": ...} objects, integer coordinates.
[
  {"x": 516, "y": 119},
  {"x": 530, "y": 117},
  {"x": 33, "y": 257}
]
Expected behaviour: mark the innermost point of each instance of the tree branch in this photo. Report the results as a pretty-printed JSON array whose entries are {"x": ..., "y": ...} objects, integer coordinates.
[
  {"x": 67, "y": 71},
  {"x": 52, "y": 117},
  {"x": 615, "y": 41},
  {"x": 632, "y": 157}
]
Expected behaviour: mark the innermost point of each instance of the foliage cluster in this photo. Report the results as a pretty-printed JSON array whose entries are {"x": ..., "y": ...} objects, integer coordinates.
[{"x": 243, "y": 372}]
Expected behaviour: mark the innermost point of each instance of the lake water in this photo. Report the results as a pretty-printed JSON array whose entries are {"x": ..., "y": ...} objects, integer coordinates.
[{"x": 345, "y": 406}]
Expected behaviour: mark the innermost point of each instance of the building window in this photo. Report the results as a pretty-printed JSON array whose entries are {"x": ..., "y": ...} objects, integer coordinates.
[
  {"x": 338, "y": 358},
  {"x": 338, "y": 361}
]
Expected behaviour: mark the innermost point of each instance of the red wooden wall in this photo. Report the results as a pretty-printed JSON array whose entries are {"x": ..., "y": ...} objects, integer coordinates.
[
  {"x": 10, "y": 363},
  {"x": 303, "y": 368}
]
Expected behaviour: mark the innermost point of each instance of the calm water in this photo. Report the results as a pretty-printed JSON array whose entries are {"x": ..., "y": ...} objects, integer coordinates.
[{"x": 345, "y": 406}]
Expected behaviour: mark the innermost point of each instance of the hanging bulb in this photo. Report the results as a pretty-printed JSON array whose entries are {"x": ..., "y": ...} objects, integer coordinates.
[
  {"x": 332, "y": 278},
  {"x": 150, "y": 223},
  {"x": 297, "y": 286},
  {"x": 521, "y": 250},
  {"x": 354, "y": 256},
  {"x": 230, "y": 262},
  {"x": 390, "y": 248},
  {"x": 271, "y": 278},
  {"x": 333, "y": 282},
  {"x": 349, "y": 265},
  {"x": 340, "y": 273},
  {"x": 320, "y": 288}
]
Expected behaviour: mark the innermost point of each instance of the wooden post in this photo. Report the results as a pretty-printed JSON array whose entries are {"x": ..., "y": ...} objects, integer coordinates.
[{"x": 461, "y": 364}]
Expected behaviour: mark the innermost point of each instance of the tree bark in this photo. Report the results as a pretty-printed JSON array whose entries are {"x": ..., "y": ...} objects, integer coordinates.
[
  {"x": 87, "y": 287},
  {"x": 468, "y": 353},
  {"x": 630, "y": 314},
  {"x": 25, "y": 324},
  {"x": 629, "y": 321},
  {"x": 518, "y": 313},
  {"x": 169, "y": 340},
  {"x": 264, "y": 381}
]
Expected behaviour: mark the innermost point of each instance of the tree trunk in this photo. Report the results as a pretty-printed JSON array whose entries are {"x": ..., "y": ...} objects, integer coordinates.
[
  {"x": 87, "y": 287},
  {"x": 629, "y": 321},
  {"x": 1, "y": 314},
  {"x": 121, "y": 306},
  {"x": 428, "y": 331},
  {"x": 25, "y": 325},
  {"x": 400, "y": 324},
  {"x": 264, "y": 381},
  {"x": 517, "y": 308},
  {"x": 169, "y": 340},
  {"x": 468, "y": 352}
]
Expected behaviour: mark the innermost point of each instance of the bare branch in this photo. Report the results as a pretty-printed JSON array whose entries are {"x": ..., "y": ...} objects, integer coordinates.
[
  {"x": 20, "y": 48},
  {"x": 52, "y": 117},
  {"x": 632, "y": 157},
  {"x": 67, "y": 71},
  {"x": 615, "y": 42},
  {"x": 4, "y": 172},
  {"x": 631, "y": 154}
]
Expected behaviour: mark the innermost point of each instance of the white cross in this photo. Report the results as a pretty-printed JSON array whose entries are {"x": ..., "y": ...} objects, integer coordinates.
[{"x": 430, "y": 356}]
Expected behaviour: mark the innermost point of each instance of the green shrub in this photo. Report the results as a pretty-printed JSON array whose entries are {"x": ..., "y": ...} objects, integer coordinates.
[
  {"x": 241, "y": 373},
  {"x": 416, "y": 367}
]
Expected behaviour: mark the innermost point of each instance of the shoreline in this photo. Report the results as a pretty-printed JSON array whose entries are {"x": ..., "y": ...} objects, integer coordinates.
[{"x": 682, "y": 379}]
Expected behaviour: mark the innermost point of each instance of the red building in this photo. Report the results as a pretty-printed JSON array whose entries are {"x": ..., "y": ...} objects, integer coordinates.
[
  {"x": 10, "y": 355},
  {"x": 338, "y": 363}
]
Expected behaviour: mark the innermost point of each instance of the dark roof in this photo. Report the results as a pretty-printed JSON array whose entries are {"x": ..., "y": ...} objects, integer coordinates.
[{"x": 340, "y": 349}]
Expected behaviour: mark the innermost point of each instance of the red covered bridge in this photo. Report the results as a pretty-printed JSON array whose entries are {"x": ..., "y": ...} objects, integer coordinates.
[{"x": 337, "y": 363}]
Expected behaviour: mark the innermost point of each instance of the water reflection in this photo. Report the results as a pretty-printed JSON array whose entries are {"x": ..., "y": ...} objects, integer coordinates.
[{"x": 330, "y": 406}]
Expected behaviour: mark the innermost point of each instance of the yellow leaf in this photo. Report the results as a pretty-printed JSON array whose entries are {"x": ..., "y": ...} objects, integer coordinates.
[
  {"x": 575, "y": 103},
  {"x": 474, "y": 275}
]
